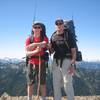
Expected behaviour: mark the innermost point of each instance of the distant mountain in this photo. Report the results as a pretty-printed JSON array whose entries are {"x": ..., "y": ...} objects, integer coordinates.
[
  {"x": 89, "y": 65},
  {"x": 13, "y": 80},
  {"x": 11, "y": 60}
]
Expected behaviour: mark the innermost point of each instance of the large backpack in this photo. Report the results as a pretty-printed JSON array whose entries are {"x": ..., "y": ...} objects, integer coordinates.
[{"x": 69, "y": 25}]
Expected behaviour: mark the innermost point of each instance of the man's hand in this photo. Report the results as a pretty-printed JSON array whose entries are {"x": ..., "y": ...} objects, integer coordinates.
[
  {"x": 73, "y": 61},
  {"x": 72, "y": 69}
]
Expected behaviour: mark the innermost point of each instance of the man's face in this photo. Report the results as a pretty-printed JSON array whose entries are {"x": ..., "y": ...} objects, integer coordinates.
[{"x": 59, "y": 25}]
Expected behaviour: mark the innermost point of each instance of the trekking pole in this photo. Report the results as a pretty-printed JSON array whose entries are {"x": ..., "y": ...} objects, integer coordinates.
[
  {"x": 38, "y": 87},
  {"x": 35, "y": 10}
]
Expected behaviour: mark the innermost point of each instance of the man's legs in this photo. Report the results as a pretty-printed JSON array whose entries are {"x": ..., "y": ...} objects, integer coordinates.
[
  {"x": 67, "y": 79},
  {"x": 69, "y": 90},
  {"x": 56, "y": 81}
]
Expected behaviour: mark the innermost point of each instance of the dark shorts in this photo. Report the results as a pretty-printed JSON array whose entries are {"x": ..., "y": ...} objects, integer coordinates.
[{"x": 32, "y": 74}]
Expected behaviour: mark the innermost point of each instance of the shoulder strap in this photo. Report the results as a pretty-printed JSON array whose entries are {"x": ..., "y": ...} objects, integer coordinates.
[
  {"x": 66, "y": 39},
  {"x": 52, "y": 35}
]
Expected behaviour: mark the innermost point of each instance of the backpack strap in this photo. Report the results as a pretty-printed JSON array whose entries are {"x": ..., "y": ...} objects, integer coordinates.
[
  {"x": 66, "y": 39},
  {"x": 52, "y": 36}
]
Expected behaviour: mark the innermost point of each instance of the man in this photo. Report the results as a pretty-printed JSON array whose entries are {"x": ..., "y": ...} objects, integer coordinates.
[
  {"x": 64, "y": 47},
  {"x": 36, "y": 52}
]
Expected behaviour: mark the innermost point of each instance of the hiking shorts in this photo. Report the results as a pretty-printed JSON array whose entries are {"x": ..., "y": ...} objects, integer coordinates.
[{"x": 33, "y": 74}]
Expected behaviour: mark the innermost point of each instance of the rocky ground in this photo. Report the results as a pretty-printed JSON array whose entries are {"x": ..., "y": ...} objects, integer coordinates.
[{"x": 7, "y": 97}]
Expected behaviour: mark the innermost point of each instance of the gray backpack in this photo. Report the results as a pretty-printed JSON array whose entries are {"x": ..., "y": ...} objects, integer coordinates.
[{"x": 69, "y": 25}]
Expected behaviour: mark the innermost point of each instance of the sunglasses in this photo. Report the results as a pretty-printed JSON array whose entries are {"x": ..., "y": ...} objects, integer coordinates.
[
  {"x": 37, "y": 27},
  {"x": 59, "y": 23}
]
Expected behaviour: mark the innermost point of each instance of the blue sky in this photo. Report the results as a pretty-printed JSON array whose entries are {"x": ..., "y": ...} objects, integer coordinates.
[{"x": 16, "y": 18}]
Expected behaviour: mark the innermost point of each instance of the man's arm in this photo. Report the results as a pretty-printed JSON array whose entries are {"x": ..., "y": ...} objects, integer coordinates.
[{"x": 73, "y": 53}]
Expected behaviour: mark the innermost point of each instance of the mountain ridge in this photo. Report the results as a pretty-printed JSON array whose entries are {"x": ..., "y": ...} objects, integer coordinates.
[{"x": 13, "y": 80}]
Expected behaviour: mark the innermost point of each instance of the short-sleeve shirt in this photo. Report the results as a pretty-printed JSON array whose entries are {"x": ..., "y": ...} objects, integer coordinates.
[
  {"x": 59, "y": 44},
  {"x": 36, "y": 39}
]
